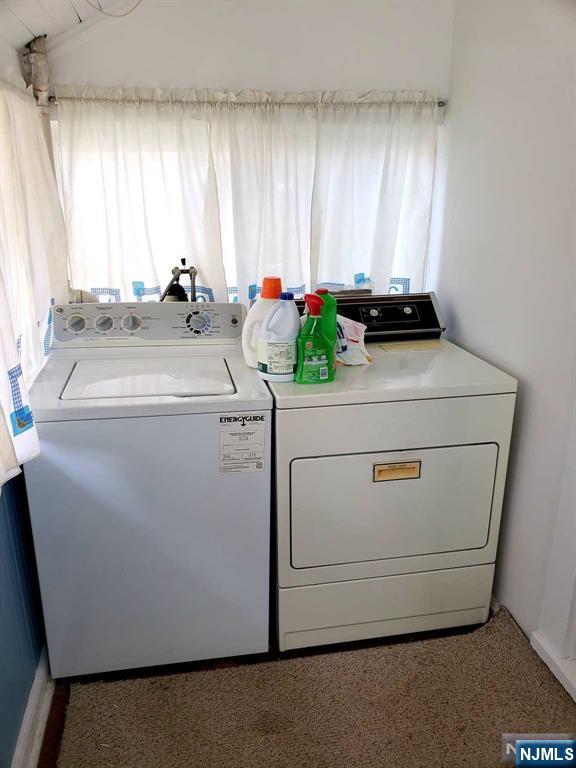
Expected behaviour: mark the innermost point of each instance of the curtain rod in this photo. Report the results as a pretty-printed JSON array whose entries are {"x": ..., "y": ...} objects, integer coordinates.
[
  {"x": 215, "y": 103},
  {"x": 244, "y": 98}
]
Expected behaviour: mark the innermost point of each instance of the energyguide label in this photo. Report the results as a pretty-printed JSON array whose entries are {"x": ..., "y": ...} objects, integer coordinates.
[{"x": 242, "y": 442}]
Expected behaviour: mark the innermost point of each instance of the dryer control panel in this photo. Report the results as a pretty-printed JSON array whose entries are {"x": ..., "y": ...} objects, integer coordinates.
[
  {"x": 150, "y": 323},
  {"x": 393, "y": 317}
]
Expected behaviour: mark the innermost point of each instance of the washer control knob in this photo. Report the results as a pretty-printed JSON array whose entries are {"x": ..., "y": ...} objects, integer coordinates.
[
  {"x": 104, "y": 323},
  {"x": 76, "y": 323},
  {"x": 373, "y": 313},
  {"x": 407, "y": 310},
  {"x": 131, "y": 322},
  {"x": 197, "y": 321}
]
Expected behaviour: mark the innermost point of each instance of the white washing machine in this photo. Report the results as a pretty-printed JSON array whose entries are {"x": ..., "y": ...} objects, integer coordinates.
[
  {"x": 150, "y": 501},
  {"x": 389, "y": 484}
]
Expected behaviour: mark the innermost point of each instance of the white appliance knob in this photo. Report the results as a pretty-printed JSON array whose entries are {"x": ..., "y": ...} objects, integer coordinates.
[
  {"x": 131, "y": 322},
  {"x": 196, "y": 321},
  {"x": 407, "y": 310},
  {"x": 76, "y": 323},
  {"x": 104, "y": 323},
  {"x": 374, "y": 313}
]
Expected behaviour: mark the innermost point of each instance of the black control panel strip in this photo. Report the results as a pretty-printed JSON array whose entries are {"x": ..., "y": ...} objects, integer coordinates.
[{"x": 392, "y": 317}]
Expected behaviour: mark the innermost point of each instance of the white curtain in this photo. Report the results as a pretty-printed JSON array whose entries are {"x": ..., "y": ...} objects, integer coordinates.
[
  {"x": 373, "y": 185},
  {"x": 264, "y": 154},
  {"x": 139, "y": 193},
  {"x": 32, "y": 269},
  {"x": 321, "y": 188}
]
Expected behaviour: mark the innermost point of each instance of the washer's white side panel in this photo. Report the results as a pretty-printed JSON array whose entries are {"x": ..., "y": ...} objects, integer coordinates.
[
  {"x": 354, "y": 610},
  {"x": 146, "y": 553},
  {"x": 379, "y": 427}
]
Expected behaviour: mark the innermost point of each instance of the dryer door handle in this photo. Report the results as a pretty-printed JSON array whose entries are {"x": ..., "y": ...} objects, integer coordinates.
[{"x": 398, "y": 470}]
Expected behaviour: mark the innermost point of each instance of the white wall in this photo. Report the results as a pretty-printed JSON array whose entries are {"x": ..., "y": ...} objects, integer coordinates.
[
  {"x": 265, "y": 44},
  {"x": 504, "y": 255},
  {"x": 558, "y": 615}
]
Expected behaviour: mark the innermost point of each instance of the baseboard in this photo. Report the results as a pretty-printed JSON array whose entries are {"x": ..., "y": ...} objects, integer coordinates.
[
  {"x": 563, "y": 669},
  {"x": 31, "y": 734}
]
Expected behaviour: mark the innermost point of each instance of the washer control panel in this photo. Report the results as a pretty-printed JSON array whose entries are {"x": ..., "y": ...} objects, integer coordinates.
[{"x": 147, "y": 323}]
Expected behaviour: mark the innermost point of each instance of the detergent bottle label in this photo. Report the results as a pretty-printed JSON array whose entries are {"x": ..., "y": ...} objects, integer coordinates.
[
  {"x": 316, "y": 365},
  {"x": 277, "y": 357}
]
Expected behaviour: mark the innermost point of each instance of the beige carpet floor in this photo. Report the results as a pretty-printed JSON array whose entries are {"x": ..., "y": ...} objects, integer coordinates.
[{"x": 440, "y": 702}]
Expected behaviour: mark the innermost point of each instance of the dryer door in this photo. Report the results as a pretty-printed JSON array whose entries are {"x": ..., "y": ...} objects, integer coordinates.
[{"x": 375, "y": 506}]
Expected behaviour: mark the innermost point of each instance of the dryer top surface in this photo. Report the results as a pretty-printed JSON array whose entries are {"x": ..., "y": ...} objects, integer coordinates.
[{"x": 406, "y": 371}]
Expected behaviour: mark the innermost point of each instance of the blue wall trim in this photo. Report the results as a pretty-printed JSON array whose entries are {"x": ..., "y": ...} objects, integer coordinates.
[{"x": 21, "y": 632}]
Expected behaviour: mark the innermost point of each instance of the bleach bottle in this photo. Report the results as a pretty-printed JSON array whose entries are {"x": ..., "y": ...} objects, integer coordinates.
[
  {"x": 277, "y": 340},
  {"x": 271, "y": 289}
]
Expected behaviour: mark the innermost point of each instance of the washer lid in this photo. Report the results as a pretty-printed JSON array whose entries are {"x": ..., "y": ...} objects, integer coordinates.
[{"x": 148, "y": 377}]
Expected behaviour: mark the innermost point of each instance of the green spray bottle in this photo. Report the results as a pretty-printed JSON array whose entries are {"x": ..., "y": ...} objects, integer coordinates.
[
  {"x": 315, "y": 350},
  {"x": 329, "y": 312}
]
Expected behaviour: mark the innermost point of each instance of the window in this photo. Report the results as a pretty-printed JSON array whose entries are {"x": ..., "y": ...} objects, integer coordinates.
[{"x": 324, "y": 189}]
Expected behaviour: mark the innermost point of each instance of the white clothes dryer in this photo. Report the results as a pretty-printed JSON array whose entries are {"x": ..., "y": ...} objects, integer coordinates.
[{"x": 389, "y": 484}]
